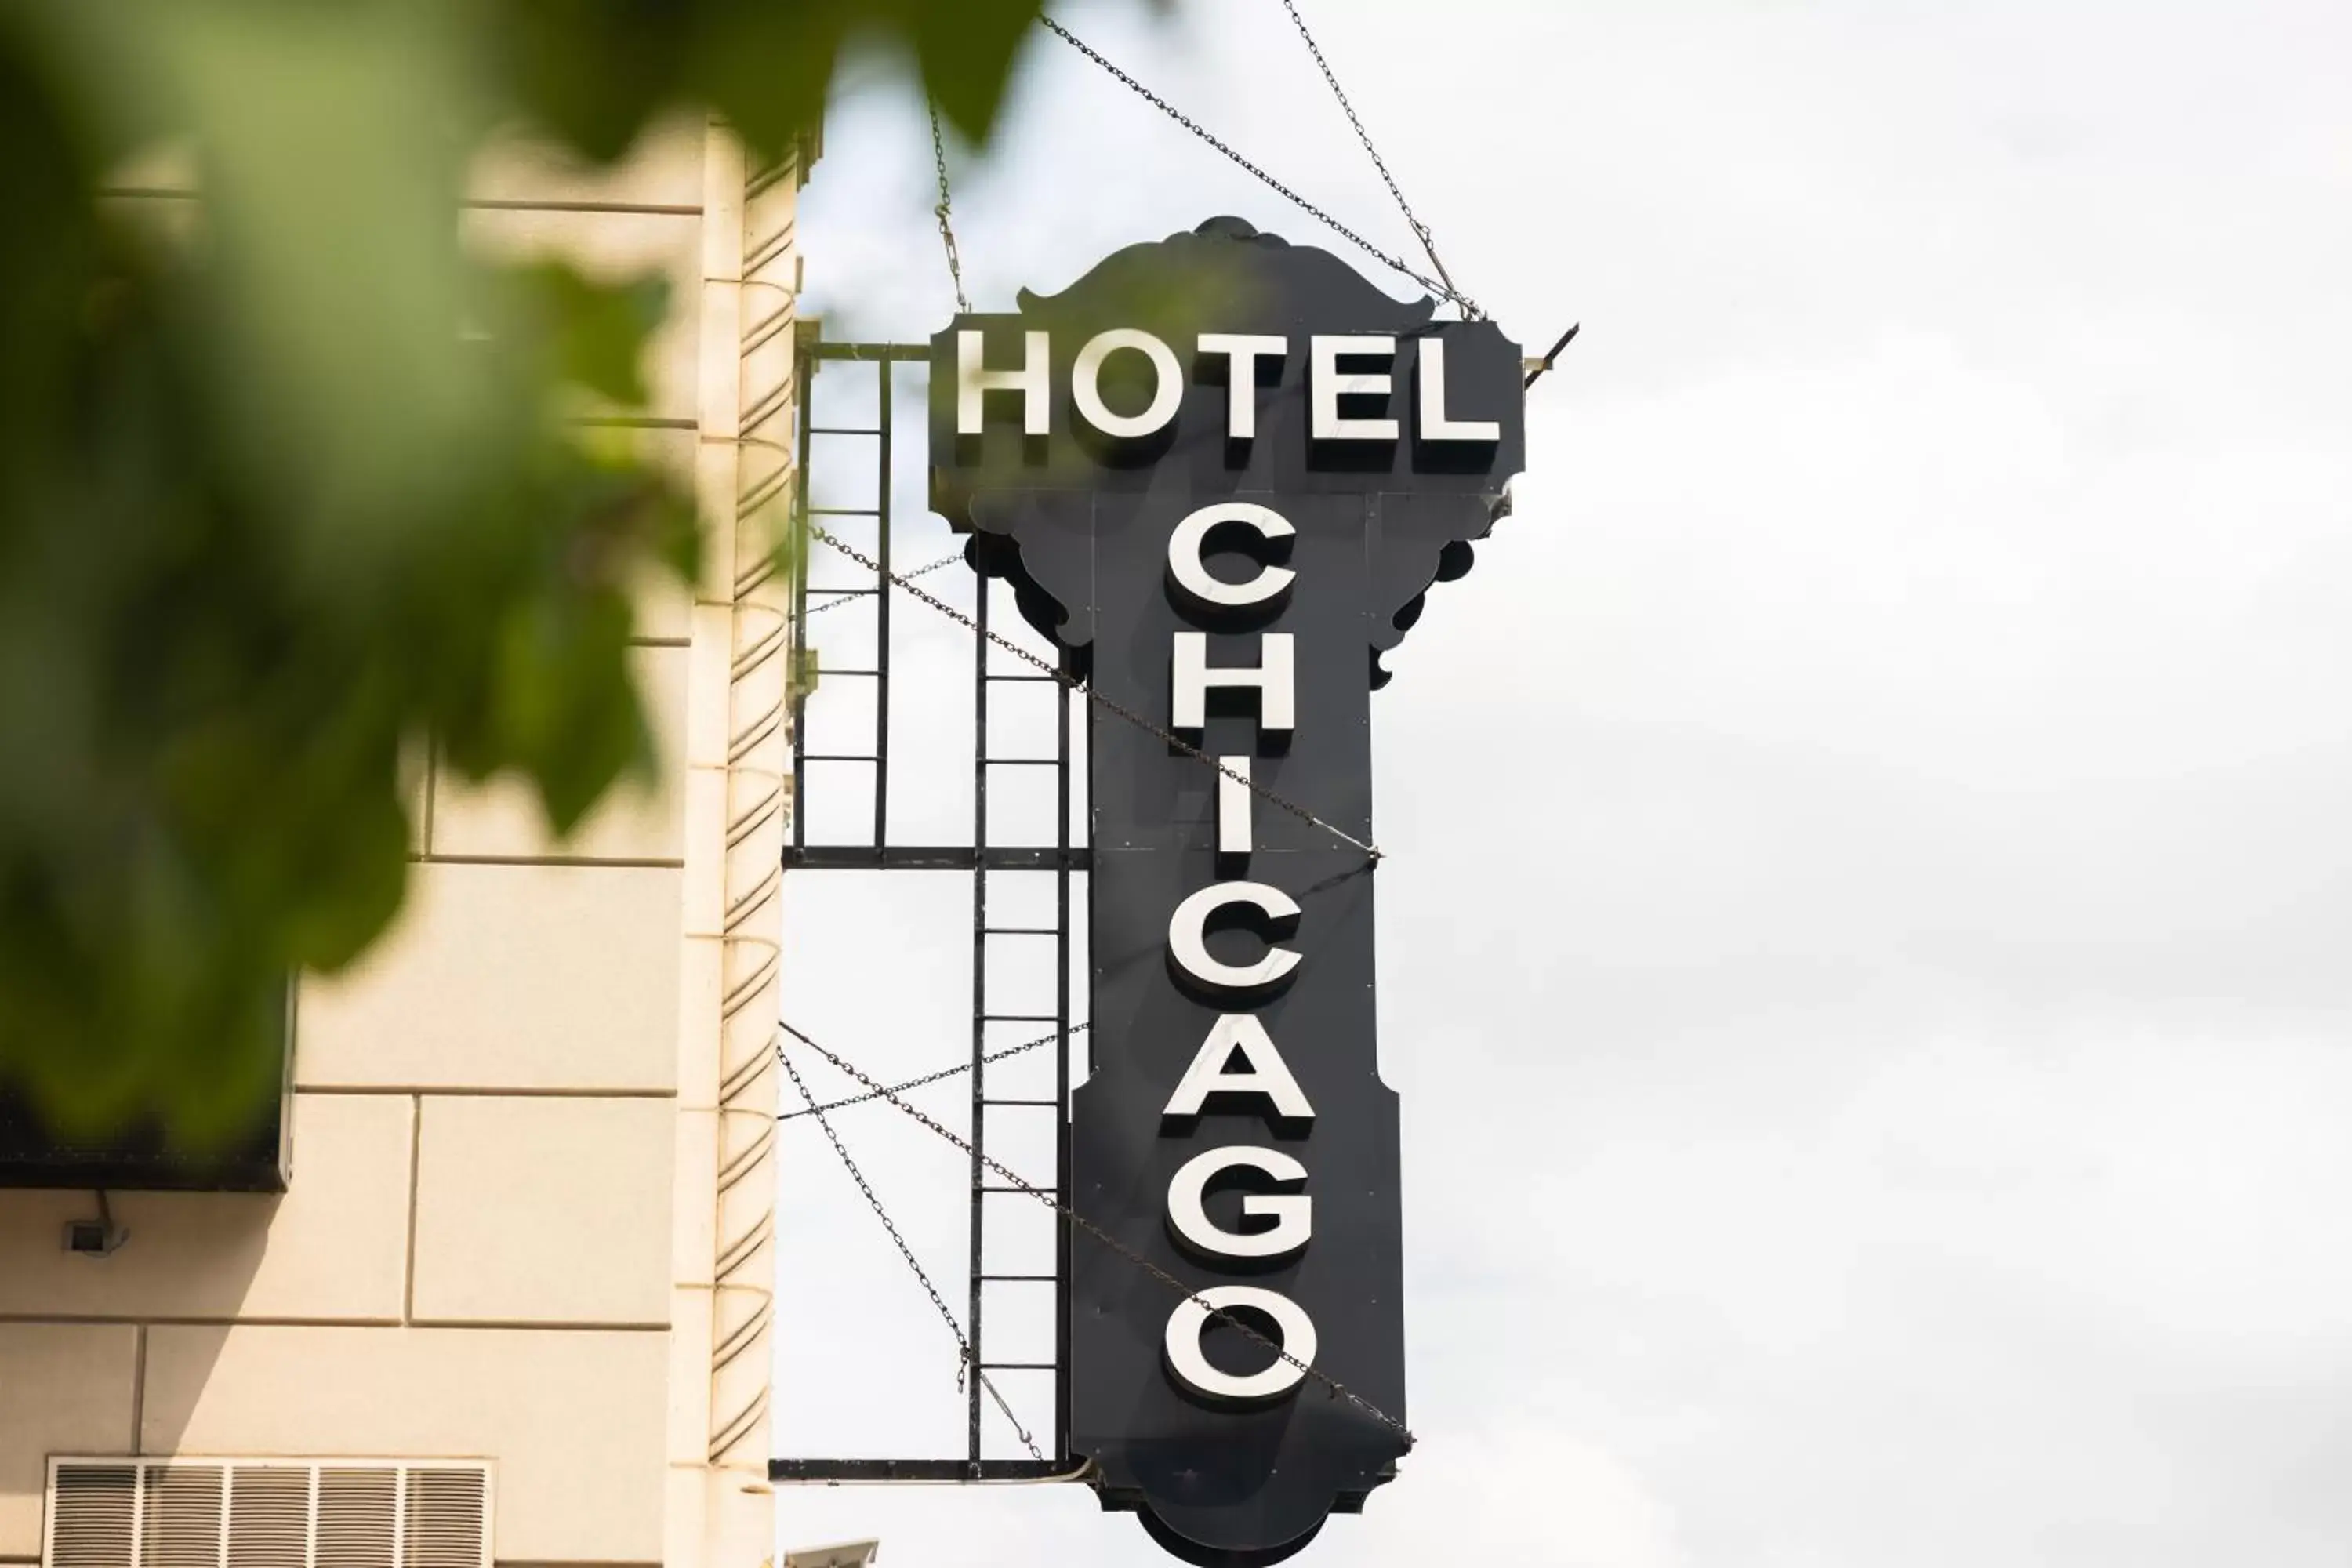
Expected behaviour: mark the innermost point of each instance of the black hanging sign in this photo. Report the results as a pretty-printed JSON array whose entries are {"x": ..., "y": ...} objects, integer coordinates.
[{"x": 1221, "y": 471}]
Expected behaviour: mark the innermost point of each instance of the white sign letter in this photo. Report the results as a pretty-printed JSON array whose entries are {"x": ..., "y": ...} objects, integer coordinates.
[
  {"x": 1265, "y": 1072},
  {"x": 1293, "y": 1212},
  {"x": 1030, "y": 380},
  {"x": 1331, "y": 383},
  {"x": 1243, "y": 350},
  {"x": 1271, "y": 675},
  {"x": 1085, "y": 384},
  {"x": 1186, "y": 1324},
  {"x": 1187, "y": 925},
  {"x": 1434, "y": 425},
  {"x": 1192, "y": 535}
]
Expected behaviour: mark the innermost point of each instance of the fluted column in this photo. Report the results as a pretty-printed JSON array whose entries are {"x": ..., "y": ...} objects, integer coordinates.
[{"x": 721, "y": 1509}]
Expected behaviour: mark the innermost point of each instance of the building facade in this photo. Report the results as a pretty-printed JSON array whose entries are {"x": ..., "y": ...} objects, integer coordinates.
[{"x": 528, "y": 1227}]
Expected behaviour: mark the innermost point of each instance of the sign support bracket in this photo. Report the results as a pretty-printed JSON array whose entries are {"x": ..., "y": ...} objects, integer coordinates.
[{"x": 1063, "y": 858}]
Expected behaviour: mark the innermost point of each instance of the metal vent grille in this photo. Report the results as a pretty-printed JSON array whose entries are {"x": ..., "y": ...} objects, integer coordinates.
[
  {"x": 93, "y": 1516},
  {"x": 445, "y": 1521},
  {"x": 267, "y": 1513},
  {"x": 269, "y": 1517},
  {"x": 180, "y": 1517},
  {"x": 357, "y": 1513}
]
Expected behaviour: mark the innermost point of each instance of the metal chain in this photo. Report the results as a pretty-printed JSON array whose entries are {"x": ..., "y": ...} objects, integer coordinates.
[
  {"x": 969, "y": 1363},
  {"x": 923, "y": 571},
  {"x": 947, "y": 228},
  {"x": 1419, "y": 227},
  {"x": 1447, "y": 290},
  {"x": 1222, "y": 1314},
  {"x": 989, "y": 1060},
  {"x": 1071, "y": 681}
]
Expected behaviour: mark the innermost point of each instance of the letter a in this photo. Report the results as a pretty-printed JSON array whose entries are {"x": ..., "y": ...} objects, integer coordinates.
[{"x": 1264, "y": 1071}]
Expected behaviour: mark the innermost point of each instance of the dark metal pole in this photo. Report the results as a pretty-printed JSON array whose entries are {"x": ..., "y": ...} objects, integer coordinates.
[
  {"x": 979, "y": 995},
  {"x": 805, "y": 372},
  {"x": 882, "y": 622},
  {"x": 1063, "y": 699}
]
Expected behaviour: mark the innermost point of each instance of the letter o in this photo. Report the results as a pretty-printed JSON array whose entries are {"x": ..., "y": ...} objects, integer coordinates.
[
  {"x": 1086, "y": 377},
  {"x": 1293, "y": 1212},
  {"x": 1190, "y": 950},
  {"x": 1184, "y": 556},
  {"x": 1293, "y": 1327}
]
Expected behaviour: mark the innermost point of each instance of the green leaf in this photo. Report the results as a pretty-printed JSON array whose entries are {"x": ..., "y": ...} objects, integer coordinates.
[{"x": 288, "y": 488}]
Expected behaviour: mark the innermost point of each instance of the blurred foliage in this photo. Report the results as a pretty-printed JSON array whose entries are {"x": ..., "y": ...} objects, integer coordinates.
[{"x": 286, "y": 484}]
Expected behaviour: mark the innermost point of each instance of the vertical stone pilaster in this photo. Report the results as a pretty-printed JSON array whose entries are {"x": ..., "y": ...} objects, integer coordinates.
[
  {"x": 722, "y": 1513},
  {"x": 758, "y": 759}
]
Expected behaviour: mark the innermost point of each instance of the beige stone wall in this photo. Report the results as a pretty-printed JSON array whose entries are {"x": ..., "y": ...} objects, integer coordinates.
[{"x": 532, "y": 1197}]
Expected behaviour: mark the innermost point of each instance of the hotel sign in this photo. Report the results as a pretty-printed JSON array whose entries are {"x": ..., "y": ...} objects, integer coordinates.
[{"x": 1225, "y": 527}]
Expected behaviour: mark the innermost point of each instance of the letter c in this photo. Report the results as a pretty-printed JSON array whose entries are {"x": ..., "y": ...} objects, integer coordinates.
[
  {"x": 1184, "y": 562},
  {"x": 1186, "y": 946}
]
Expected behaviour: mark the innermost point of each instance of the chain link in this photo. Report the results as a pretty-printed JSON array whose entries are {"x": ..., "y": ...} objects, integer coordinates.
[
  {"x": 928, "y": 1078},
  {"x": 1222, "y": 1314},
  {"x": 968, "y": 1362},
  {"x": 1364, "y": 136},
  {"x": 1469, "y": 307},
  {"x": 947, "y": 228},
  {"x": 923, "y": 571},
  {"x": 1247, "y": 781}
]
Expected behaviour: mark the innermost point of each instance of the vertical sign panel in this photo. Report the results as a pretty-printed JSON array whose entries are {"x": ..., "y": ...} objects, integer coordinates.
[{"x": 1221, "y": 471}]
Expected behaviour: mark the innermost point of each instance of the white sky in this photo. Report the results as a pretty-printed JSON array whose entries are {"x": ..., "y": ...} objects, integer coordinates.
[{"x": 1864, "y": 939}]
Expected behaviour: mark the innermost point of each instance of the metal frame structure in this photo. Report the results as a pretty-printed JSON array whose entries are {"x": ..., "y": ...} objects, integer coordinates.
[{"x": 980, "y": 858}]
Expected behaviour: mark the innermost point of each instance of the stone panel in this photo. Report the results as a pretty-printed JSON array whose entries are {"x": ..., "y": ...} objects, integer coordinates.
[
  {"x": 614, "y": 246},
  {"x": 571, "y": 1420},
  {"x": 663, "y": 169},
  {"x": 547, "y": 1210},
  {"x": 508, "y": 977},
  {"x": 639, "y": 821},
  {"x": 663, "y": 602},
  {"x": 333, "y": 1247},
  {"x": 65, "y": 1388}
]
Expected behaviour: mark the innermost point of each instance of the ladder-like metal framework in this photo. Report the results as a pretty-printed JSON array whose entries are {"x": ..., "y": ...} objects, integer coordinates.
[{"x": 1064, "y": 858}]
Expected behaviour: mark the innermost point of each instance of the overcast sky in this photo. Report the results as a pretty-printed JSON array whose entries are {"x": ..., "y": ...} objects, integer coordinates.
[{"x": 1865, "y": 933}]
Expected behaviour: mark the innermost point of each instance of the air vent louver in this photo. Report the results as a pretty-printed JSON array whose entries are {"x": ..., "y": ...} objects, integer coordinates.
[
  {"x": 93, "y": 1516},
  {"x": 180, "y": 1517},
  {"x": 446, "y": 1519},
  {"x": 356, "y": 1511},
  {"x": 269, "y": 1517},
  {"x": 268, "y": 1513}
]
